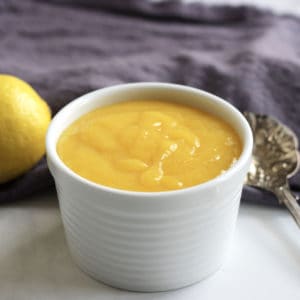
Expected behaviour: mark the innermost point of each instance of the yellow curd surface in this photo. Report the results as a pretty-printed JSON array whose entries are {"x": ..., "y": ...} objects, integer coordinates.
[{"x": 149, "y": 146}]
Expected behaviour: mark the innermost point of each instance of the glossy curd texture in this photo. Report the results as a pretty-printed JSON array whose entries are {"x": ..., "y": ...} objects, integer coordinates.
[{"x": 149, "y": 146}]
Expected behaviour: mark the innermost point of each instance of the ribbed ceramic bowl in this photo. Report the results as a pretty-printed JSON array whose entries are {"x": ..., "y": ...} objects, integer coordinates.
[{"x": 152, "y": 241}]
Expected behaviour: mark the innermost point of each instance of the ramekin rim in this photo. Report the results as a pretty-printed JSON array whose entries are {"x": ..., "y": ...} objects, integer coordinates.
[{"x": 242, "y": 160}]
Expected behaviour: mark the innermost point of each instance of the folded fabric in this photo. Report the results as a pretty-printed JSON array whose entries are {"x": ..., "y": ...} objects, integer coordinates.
[{"x": 66, "y": 48}]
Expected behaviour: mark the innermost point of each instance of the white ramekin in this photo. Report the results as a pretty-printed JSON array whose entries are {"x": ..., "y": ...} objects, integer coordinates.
[{"x": 151, "y": 241}]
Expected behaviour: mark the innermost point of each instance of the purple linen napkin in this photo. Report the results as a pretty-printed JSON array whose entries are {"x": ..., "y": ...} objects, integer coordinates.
[{"x": 66, "y": 48}]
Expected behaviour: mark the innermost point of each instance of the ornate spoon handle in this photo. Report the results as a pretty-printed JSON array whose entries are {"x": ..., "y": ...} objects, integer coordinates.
[{"x": 286, "y": 197}]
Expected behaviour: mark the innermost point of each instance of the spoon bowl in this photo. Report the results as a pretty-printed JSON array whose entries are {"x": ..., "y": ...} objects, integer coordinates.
[{"x": 275, "y": 158}]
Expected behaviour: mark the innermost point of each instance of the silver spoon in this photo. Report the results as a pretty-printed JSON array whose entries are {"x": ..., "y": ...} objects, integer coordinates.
[{"x": 275, "y": 159}]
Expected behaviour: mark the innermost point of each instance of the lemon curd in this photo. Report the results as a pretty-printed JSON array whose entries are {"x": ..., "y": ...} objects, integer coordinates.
[{"x": 149, "y": 146}]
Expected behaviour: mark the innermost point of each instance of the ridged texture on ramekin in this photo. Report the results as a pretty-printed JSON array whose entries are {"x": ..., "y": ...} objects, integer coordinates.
[{"x": 148, "y": 251}]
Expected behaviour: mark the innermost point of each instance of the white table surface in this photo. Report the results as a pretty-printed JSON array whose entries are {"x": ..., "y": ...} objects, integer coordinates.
[{"x": 264, "y": 262}]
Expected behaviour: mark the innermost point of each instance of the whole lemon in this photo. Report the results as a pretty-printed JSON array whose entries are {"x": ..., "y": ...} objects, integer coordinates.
[{"x": 24, "y": 119}]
